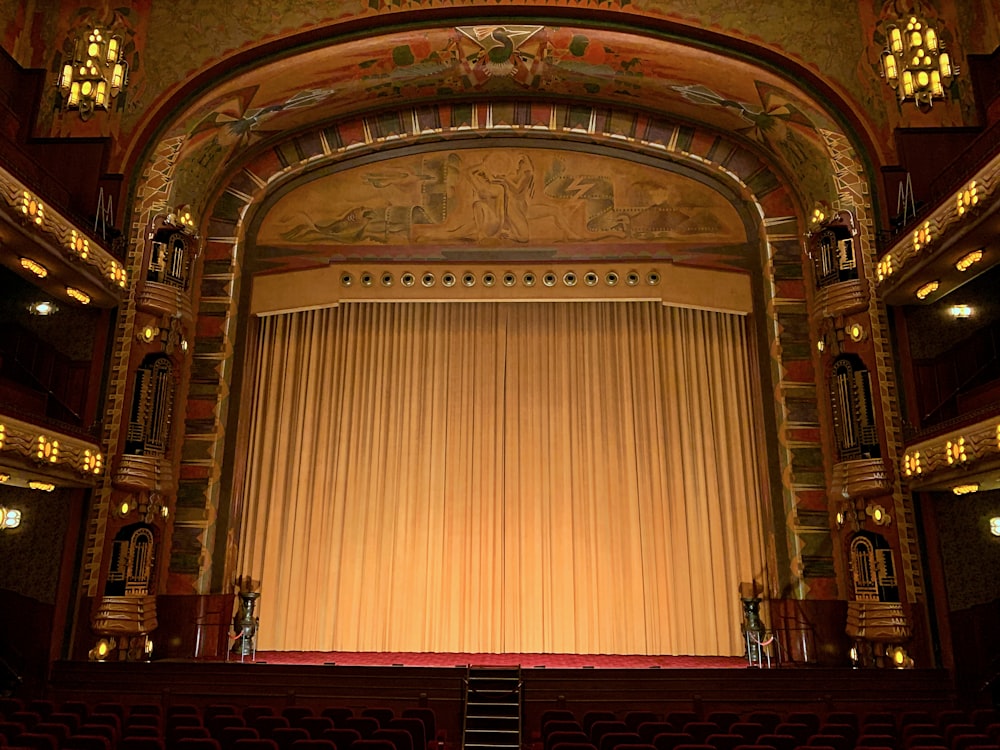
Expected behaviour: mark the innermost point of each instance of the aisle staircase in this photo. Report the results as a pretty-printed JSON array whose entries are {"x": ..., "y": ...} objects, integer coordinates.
[{"x": 493, "y": 708}]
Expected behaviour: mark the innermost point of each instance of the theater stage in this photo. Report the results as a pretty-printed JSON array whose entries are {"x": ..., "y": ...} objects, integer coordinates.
[{"x": 525, "y": 661}]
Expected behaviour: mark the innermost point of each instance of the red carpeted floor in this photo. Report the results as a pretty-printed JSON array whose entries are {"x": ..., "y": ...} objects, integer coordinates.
[{"x": 527, "y": 661}]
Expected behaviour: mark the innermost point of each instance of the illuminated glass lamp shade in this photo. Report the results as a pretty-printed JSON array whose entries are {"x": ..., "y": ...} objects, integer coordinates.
[
  {"x": 10, "y": 518},
  {"x": 995, "y": 526},
  {"x": 102, "y": 649},
  {"x": 915, "y": 63},
  {"x": 43, "y": 308},
  {"x": 94, "y": 74},
  {"x": 900, "y": 659}
]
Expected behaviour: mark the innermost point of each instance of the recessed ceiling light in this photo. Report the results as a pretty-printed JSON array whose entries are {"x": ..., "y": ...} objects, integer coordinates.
[{"x": 43, "y": 307}]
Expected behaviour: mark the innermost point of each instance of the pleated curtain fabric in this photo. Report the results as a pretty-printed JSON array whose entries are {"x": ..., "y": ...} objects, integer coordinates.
[{"x": 558, "y": 477}]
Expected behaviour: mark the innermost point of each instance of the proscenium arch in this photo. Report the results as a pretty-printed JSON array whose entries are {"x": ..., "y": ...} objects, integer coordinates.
[
  {"x": 775, "y": 231},
  {"x": 250, "y": 173}
]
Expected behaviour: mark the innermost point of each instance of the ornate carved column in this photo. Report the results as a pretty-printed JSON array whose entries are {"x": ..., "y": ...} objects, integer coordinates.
[
  {"x": 861, "y": 483},
  {"x": 143, "y": 494}
]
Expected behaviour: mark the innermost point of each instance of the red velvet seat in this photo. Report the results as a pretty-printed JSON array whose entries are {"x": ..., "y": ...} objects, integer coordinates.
[
  {"x": 427, "y": 716},
  {"x": 314, "y": 725},
  {"x": 648, "y": 730},
  {"x": 671, "y": 740},
  {"x": 88, "y": 742},
  {"x": 294, "y": 713},
  {"x": 398, "y": 737},
  {"x": 230, "y": 735},
  {"x": 265, "y": 725},
  {"x": 724, "y": 719},
  {"x": 413, "y": 727},
  {"x": 140, "y": 743},
  {"x": 700, "y": 730},
  {"x": 366, "y": 726},
  {"x": 285, "y": 736},
  {"x": 314, "y": 745},
  {"x": 725, "y": 741},
  {"x": 561, "y": 737},
  {"x": 195, "y": 743},
  {"x": 344, "y": 739},
  {"x": 748, "y": 730},
  {"x": 767, "y": 719},
  {"x": 612, "y": 740},
  {"x": 382, "y": 715},
  {"x": 634, "y": 719}
]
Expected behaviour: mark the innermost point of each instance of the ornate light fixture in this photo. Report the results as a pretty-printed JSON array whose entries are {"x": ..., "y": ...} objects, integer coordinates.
[
  {"x": 967, "y": 261},
  {"x": 82, "y": 297},
  {"x": 10, "y": 518},
  {"x": 96, "y": 73},
  {"x": 915, "y": 63},
  {"x": 927, "y": 289}
]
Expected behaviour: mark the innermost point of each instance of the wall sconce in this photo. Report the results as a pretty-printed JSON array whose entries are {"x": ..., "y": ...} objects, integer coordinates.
[
  {"x": 878, "y": 514},
  {"x": 147, "y": 333},
  {"x": 995, "y": 526},
  {"x": 848, "y": 515},
  {"x": 960, "y": 311},
  {"x": 900, "y": 659},
  {"x": 95, "y": 75},
  {"x": 915, "y": 63},
  {"x": 856, "y": 332},
  {"x": 10, "y": 518},
  {"x": 101, "y": 651}
]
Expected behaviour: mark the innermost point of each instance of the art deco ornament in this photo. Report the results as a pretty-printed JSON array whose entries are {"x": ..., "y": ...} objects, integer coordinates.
[
  {"x": 95, "y": 74},
  {"x": 915, "y": 63}
]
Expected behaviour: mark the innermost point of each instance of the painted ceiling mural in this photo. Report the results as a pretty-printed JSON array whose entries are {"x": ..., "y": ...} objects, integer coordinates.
[
  {"x": 501, "y": 201},
  {"x": 177, "y": 40},
  {"x": 508, "y": 61}
]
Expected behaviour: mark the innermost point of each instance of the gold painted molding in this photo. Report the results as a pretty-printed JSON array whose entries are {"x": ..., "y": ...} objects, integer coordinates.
[
  {"x": 879, "y": 622},
  {"x": 953, "y": 458},
  {"x": 49, "y": 452},
  {"x": 62, "y": 239},
  {"x": 681, "y": 286},
  {"x": 125, "y": 615},
  {"x": 144, "y": 473},
  {"x": 164, "y": 299},
  {"x": 947, "y": 220},
  {"x": 843, "y": 298}
]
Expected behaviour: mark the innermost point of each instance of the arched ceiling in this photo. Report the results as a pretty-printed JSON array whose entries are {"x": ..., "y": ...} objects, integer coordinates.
[{"x": 271, "y": 101}]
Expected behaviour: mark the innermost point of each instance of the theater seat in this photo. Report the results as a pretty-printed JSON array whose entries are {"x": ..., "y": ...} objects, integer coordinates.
[
  {"x": 314, "y": 725},
  {"x": 314, "y": 745}
]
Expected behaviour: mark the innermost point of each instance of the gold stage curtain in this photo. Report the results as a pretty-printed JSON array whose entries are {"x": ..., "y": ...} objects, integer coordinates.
[{"x": 575, "y": 477}]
